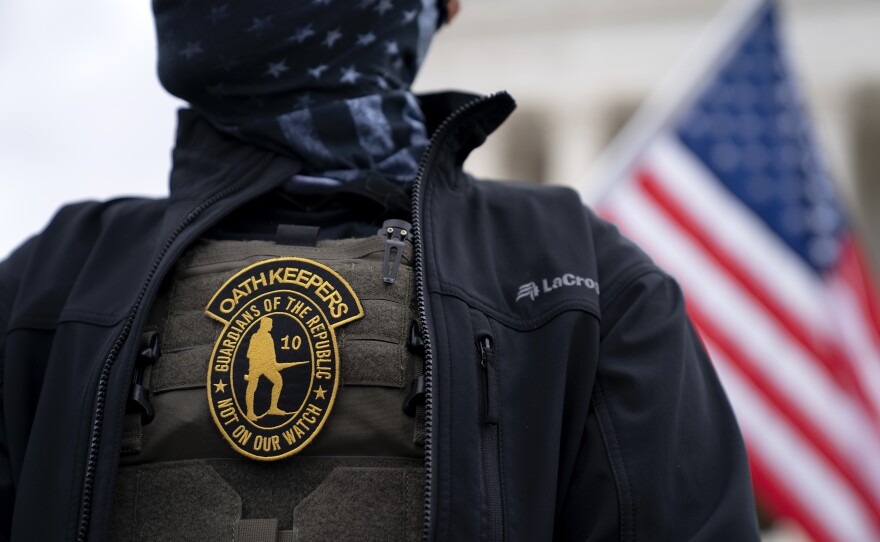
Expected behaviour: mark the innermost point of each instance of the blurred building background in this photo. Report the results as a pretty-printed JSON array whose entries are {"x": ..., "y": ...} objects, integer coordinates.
[
  {"x": 580, "y": 68},
  {"x": 83, "y": 116}
]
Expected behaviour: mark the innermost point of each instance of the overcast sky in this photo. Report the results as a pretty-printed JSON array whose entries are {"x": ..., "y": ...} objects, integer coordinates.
[{"x": 82, "y": 115}]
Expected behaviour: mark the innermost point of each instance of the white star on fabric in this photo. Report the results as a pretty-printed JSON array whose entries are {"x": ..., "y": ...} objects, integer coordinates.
[
  {"x": 332, "y": 37},
  {"x": 409, "y": 16},
  {"x": 349, "y": 75},
  {"x": 391, "y": 48},
  {"x": 383, "y": 6},
  {"x": 317, "y": 71},
  {"x": 192, "y": 49},
  {"x": 321, "y": 2},
  {"x": 277, "y": 68},
  {"x": 365, "y": 39},
  {"x": 302, "y": 34},
  {"x": 822, "y": 219},
  {"x": 258, "y": 25},
  {"x": 823, "y": 250}
]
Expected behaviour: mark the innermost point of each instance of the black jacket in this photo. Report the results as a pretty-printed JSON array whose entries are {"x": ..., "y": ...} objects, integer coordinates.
[{"x": 581, "y": 408}]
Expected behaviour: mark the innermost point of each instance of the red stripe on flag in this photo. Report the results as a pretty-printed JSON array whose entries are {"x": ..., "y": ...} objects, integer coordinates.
[
  {"x": 774, "y": 495},
  {"x": 775, "y": 397},
  {"x": 830, "y": 356}
]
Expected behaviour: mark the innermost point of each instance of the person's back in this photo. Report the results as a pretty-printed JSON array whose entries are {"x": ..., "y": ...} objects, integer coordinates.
[{"x": 330, "y": 330}]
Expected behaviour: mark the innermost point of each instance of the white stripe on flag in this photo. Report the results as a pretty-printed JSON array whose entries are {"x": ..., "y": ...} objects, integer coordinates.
[
  {"x": 817, "y": 487},
  {"x": 729, "y": 223}
]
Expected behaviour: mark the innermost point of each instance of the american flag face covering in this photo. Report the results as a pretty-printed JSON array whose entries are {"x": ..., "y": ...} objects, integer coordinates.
[{"x": 326, "y": 81}]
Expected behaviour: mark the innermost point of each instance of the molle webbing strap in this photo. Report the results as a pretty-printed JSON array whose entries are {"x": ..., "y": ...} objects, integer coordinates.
[
  {"x": 257, "y": 530},
  {"x": 132, "y": 434},
  {"x": 297, "y": 235},
  {"x": 372, "y": 349},
  {"x": 375, "y": 363}
]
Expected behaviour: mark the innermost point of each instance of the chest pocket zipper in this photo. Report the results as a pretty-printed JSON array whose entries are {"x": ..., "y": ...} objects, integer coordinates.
[{"x": 489, "y": 437}]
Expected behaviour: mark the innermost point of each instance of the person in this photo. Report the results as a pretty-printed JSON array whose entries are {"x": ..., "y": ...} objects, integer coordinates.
[
  {"x": 263, "y": 362},
  {"x": 495, "y": 363}
]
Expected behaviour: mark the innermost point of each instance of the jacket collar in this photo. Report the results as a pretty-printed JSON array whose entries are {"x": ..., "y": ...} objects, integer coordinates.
[
  {"x": 205, "y": 161},
  {"x": 471, "y": 118}
]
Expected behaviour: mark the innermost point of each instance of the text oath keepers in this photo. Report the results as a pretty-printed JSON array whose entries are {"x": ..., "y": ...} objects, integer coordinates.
[{"x": 323, "y": 289}]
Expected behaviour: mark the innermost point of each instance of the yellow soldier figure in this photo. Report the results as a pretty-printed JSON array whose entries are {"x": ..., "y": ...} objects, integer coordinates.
[{"x": 261, "y": 355}]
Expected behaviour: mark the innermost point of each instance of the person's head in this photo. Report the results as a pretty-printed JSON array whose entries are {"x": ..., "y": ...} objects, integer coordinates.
[
  {"x": 452, "y": 7},
  {"x": 266, "y": 324},
  {"x": 219, "y": 56},
  {"x": 325, "y": 81}
]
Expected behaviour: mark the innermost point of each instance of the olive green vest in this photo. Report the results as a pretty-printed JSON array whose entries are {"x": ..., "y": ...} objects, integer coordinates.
[{"x": 183, "y": 475}]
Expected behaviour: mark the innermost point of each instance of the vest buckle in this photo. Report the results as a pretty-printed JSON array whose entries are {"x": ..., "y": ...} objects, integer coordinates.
[{"x": 139, "y": 397}]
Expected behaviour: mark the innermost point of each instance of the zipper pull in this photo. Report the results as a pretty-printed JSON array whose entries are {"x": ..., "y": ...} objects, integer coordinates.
[
  {"x": 395, "y": 231},
  {"x": 139, "y": 397},
  {"x": 487, "y": 360},
  {"x": 415, "y": 343}
]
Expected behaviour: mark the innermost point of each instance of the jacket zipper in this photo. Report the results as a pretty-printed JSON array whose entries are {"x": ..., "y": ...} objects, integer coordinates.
[
  {"x": 103, "y": 380},
  {"x": 489, "y": 438},
  {"x": 424, "y": 164}
]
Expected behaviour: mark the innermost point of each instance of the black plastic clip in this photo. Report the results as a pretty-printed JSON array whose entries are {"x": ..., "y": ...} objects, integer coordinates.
[
  {"x": 415, "y": 343},
  {"x": 140, "y": 396},
  {"x": 395, "y": 232},
  {"x": 414, "y": 395}
]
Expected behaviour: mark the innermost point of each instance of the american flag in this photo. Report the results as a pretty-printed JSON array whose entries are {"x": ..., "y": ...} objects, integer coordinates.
[{"x": 730, "y": 195}]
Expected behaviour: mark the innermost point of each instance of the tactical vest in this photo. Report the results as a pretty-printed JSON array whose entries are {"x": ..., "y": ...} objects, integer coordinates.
[{"x": 247, "y": 432}]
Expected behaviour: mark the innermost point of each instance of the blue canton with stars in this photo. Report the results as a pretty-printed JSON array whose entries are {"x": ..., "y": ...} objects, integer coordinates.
[
  {"x": 326, "y": 81},
  {"x": 751, "y": 129}
]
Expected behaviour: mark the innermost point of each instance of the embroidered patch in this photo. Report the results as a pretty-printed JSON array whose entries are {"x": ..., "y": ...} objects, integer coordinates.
[{"x": 274, "y": 371}]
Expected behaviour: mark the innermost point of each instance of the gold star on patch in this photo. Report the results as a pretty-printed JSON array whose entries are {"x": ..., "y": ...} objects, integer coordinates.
[
  {"x": 220, "y": 387},
  {"x": 319, "y": 393}
]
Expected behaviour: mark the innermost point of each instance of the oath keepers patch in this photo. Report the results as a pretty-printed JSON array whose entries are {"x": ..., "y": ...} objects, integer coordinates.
[{"x": 274, "y": 371}]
